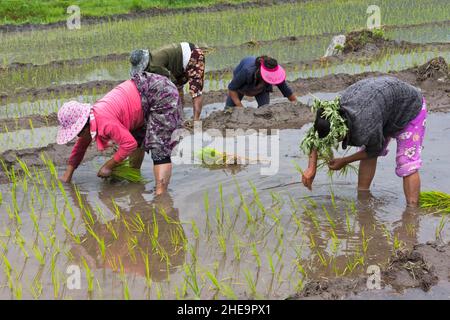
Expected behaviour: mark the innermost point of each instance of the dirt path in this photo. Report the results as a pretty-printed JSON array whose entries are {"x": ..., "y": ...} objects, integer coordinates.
[{"x": 422, "y": 267}]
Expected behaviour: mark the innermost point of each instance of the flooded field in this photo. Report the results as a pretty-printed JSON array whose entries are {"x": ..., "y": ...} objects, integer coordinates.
[
  {"x": 244, "y": 230},
  {"x": 244, "y": 235}
]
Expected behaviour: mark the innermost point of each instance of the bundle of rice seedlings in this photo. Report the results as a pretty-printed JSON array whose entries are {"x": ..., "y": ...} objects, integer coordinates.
[
  {"x": 212, "y": 157},
  {"x": 435, "y": 199},
  {"x": 124, "y": 172}
]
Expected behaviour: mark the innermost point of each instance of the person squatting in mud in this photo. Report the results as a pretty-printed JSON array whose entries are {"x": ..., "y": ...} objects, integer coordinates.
[
  {"x": 139, "y": 115},
  {"x": 254, "y": 77},
  {"x": 181, "y": 62},
  {"x": 374, "y": 111}
]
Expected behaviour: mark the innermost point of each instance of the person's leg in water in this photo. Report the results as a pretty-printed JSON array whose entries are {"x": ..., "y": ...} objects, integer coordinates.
[
  {"x": 411, "y": 187},
  {"x": 408, "y": 158},
  {"x": 263, "y": 98},
  {"x": 366, "y": 173},
  {"x": 136, "y": 158},
  {"x": 162, "y": 171},
  {"x": 368, "y": 167}
]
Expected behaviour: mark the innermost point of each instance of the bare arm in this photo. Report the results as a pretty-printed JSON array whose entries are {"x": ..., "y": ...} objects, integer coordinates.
[
  {"x": 310, "y": 173},
  {"x": 235, "y": 97}
]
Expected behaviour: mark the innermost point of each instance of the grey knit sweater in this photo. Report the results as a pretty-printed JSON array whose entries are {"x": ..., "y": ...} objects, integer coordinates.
[{"x": 377, "y": 108}]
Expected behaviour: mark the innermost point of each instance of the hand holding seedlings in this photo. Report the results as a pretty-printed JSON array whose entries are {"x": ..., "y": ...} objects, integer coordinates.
[
  {"x": 107, "y": 169},
  {"x": 337, "y": 164}
]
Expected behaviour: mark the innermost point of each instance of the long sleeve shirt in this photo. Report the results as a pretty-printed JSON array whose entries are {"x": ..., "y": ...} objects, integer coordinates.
[
  {"x": 116, "y": 115},
  {"x": 244, "y": 80}
]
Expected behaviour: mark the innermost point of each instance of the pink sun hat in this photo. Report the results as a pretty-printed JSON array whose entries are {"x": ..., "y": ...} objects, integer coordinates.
[
  {"x": 71, "y": 117},
  {"x": 273, "y": 76}
]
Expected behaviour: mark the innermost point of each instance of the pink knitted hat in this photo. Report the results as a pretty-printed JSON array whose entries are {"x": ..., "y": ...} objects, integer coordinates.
[{"x": 71, "y": 117}]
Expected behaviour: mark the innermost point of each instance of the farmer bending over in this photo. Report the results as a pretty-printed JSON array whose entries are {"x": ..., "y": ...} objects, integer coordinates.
[
  {"x": 254, "y": 77},
  {"x": 181, "y": 63},
  {"x": 368, "y": 114},
  {"x": 138, "y": 115}
]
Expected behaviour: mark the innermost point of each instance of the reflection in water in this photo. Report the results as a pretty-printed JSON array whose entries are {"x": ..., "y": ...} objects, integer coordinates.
[
  {"x": 346, "y": 237},
  {"x": 144, "y": 238}
]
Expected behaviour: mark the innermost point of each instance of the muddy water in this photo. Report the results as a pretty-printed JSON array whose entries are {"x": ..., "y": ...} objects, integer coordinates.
[
  {"x": 274, "y": 234},
  {"x": 23, "y": 139}
]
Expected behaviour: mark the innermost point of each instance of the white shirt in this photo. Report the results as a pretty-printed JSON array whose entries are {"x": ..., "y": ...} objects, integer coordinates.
[{"x": 186, "y": 53}]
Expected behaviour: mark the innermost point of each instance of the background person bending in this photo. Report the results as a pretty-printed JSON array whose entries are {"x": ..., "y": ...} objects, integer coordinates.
[{"x": 254, "y": 77}]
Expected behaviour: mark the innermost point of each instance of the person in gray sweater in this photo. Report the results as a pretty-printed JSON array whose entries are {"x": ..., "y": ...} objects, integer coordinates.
[{"x": 375, "y": 110}]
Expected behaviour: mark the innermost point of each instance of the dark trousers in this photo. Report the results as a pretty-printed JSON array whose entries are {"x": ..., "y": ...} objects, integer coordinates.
[{"x": 262, "y": 99}]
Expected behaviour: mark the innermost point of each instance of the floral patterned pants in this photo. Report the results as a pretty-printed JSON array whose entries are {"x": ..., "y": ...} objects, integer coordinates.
[
  {"x": 409, "y": 145},
  {"x": 162, "y": 115},
  {"x": 195, "y": 73}
]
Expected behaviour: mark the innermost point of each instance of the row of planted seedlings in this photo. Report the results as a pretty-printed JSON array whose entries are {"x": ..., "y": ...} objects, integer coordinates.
[
  {"x": 215, "y": 28},
  {"x": 241, "y": 247},
  {"x": 388, "y": 60},
  {"x": 115, "y": 67}
]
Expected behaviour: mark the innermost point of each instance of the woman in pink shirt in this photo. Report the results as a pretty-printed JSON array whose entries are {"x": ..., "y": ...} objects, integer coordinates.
[{"x": 139, "y": 115}]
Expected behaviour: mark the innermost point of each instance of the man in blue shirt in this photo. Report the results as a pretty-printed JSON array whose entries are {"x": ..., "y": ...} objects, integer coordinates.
[{"x": 254, "y": 77}]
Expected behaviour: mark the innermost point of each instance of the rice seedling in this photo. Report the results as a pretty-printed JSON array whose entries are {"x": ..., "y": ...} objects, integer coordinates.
[
  {"x": 190, "y": 277},
  {"x": 397, "y": 243},
  {"x": 36, "y": 288},
  {"x": 251, "y": 284},
  {"x": 89, "y": 276},
  {"x": 214, "y": 281},
  {"x": 148, "y": 279},
  {"x": 125, "y": 172},
  {"x": 435, "y": 200},
  {"x": 353, "y": 262},
  {"x": 440, "y": 227},
  {"x": 322, "y": 259},
  {"x": 255, "y": 254},
  {"x": 330, "y": 220},
  {"x": 137, "y": 224},
  {"x": 222, "y": 242},
  {"x": 40, "y": 257},
  {"x": 335, "y": 242},
  {"x": 20, "y": 241},
  {"x": 270, "y": 261},
  {"x": 347, "y": 221}
]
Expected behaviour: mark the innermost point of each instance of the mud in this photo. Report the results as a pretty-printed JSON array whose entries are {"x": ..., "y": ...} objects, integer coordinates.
[
  {"x": 150, "y": 12},
  {"x": 277, "y": 116},
  {"x": 421, "y": 267}
]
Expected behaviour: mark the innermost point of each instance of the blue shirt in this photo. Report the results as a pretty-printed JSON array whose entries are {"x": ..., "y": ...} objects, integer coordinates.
[{"x": 244, "y": 80}]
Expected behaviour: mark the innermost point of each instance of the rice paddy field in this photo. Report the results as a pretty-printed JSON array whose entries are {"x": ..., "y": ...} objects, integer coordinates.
[{"x": 222, "y": 231}]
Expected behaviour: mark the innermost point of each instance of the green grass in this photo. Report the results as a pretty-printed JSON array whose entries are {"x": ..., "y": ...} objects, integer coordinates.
[{"x": 48, "y": 11}]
